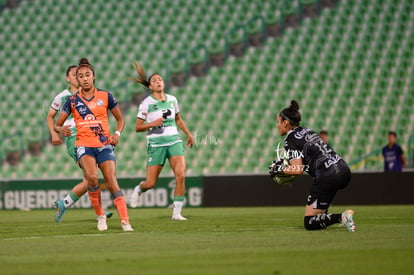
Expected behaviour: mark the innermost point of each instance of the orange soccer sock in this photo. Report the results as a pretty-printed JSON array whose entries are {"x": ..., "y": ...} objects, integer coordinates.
[
  {"x": 121, "y": 206},
  {"x": 95, "y": 197}
]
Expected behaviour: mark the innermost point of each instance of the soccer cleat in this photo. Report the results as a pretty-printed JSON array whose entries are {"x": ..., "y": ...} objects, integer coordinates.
[
  {"x": 133, "y": 201},
  {"x": 347, "y": 219},
  {"x": 102, "y": 226},
  {"x": 178, "y": 217},
  {"x": 108, "y": 214},
  {"x": 59, "y": 204},
  {"x": 126, "y": 226}
]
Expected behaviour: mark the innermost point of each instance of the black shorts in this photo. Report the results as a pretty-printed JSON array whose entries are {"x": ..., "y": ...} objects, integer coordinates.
[{"x": 327, "y": 183}]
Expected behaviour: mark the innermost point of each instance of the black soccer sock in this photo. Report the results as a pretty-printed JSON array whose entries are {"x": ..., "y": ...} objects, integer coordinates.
[{"x": 321, "y": 221}]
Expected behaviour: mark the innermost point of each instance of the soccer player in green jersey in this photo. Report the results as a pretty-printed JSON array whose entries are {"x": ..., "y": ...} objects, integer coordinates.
[
  {"x": 159, "y": 116},
  {"x": 80, "y": 189}
]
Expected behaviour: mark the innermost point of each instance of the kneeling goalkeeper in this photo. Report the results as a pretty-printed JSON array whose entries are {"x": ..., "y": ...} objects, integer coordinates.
[{"x": 305, "y": 151}]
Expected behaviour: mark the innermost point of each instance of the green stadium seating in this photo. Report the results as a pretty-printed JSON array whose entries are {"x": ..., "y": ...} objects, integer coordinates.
[{"x": 345, "y": 77}]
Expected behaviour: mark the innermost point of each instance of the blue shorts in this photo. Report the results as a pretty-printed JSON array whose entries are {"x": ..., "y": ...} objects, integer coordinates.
[{"x": 101, "y": 154}]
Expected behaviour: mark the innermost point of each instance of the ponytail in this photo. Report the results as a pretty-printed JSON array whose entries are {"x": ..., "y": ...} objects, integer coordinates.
[{"x": 142, "y": 78}]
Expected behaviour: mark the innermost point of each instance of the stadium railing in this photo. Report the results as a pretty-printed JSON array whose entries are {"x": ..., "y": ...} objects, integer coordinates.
[{"x": 374, "y": 157}]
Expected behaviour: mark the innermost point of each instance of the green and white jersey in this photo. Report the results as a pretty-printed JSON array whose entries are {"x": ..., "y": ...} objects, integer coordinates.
[
  {"x": 152, "y": 109},
  {"x": 57, "y": 104}
]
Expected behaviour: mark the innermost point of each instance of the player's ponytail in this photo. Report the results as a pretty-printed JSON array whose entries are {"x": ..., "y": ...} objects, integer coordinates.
[
  {"x": 142, "y": 78},
  {"x": 291, "y": 113}
]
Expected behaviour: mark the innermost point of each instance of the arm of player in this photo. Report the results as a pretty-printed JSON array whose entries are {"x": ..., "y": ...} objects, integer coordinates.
[
  {"x": 181, "y": 124},
  {"x": 140, "y": 126},
  {"x": 119, "y": 126},
  {"x": 64, "y": 130},
  {"x": 296, "y": 167},
  {"x": 50, "y": 122}
]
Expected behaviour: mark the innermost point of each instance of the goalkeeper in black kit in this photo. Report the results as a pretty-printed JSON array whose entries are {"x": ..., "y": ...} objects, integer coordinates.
[{"x": 305, "y": 151}]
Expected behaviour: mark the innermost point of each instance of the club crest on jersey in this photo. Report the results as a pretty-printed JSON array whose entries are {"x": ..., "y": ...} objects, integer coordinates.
[{"x": 99, "y": 102}]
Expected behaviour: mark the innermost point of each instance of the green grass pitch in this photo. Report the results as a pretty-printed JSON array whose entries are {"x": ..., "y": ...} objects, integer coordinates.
[{"x": 245, "y": 240}]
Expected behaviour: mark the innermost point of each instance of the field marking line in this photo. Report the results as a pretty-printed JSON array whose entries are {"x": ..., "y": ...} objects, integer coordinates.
[{"x": 60, "y": 236}]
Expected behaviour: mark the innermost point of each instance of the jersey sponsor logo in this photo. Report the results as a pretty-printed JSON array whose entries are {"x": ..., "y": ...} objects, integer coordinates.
[
  {"x": 91, "y": 121},
  {"x": 332, "y": 160},
  {"x": 302, "y": 133},
  {"x": 89, "y": 117},
  {"x": 82, "y": 110},
  {"x": 79, "y": 103},
  {"x": 166, "y": 113}
]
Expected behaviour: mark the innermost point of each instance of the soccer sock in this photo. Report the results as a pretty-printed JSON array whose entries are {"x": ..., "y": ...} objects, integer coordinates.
[
  {"x": 70, "y": 200},
  {"x": 321, "y": 221},
  {"x": 95, "y": 197},
  {"x": 178, "y": 205},
  {"x": 120, "y": 205}
]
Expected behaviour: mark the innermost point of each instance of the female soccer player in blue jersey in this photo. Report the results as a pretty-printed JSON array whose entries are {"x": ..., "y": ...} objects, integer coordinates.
[
  {"x": 159, "y": 116},
  {"x": 307, "y": 152}
]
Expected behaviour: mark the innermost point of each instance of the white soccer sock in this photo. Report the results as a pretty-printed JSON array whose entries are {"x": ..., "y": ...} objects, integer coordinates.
[
  {"x": 139, "y": 189},
  {"x": 70, "y": 200},
  {"x": 177, "y": 206}
]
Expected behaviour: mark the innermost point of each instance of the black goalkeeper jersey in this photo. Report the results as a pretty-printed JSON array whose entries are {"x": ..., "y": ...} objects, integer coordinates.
[{"x": 317, "y": 156}]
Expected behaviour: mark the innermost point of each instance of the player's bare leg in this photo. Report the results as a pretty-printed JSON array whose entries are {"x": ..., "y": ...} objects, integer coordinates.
[
  {"x": 153, "y": 172},
  {"x": 178, "y": 166}
]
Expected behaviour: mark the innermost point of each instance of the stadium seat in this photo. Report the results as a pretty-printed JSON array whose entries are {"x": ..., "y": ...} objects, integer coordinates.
[{"x": 336, "y": 65}]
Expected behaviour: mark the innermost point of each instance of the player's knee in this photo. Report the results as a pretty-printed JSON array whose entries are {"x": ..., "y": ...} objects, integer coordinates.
[
  {"x": 111, "y": 180},
  {"x": 92, "y": 180}
]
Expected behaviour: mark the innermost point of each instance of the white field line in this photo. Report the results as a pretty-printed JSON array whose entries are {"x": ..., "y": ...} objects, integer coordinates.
[{"x": 60, "y": 236}]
